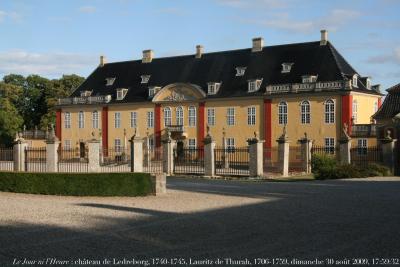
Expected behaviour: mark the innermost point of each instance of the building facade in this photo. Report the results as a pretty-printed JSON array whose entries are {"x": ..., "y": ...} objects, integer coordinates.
[{"x": 307, "y": 87}]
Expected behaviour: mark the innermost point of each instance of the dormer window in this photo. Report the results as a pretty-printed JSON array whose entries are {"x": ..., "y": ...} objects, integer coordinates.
[
  {"x": 254, "y": 85},
  {"x": 309, "y": 78},
  {"x": 213, "y": 88},
  {"x": 86, "y": 93},
  {"x": 286, "y": 67},
  {"x": 110, "y": 81},
  {"x": 145, "y": 78},
  {"x": 153, "y": 90},
  {"x": 368, "y": 84},
  {"x": 240, "y": 71},
  {"x": 121, "y": 93},
  {"x": 355, "y": 82}
]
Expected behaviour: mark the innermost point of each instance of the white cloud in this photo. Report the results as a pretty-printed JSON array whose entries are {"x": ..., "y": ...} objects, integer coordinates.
[
  {"x": 87, "y": 9},
  {"x": 46, "y": 64},
  {"x": 391, "y": 57},
  {"x": 13, "y": 16}
]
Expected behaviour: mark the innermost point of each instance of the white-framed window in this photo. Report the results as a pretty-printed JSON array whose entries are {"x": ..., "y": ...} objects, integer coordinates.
[
  {"x": 355, "y": 80},
  {"x": 81, "y": 120},
  {"x": 192, "y": 116},
  {"x": 150, "y": 119},
  {"x": 192, "y": 143},
  {"x": 117, "y": 145},
  {"x": 251, "y": 116},
  {"x": 329, "y": 111},
  {"x": 133, "y": 119},
  {"x": 117, "y": 120},
  {"x": 240, "y": 71},
  {"x": 121, "y": 93},
  {"x": 179, "y": 116},
  {"x": 309, "y": 78},
  {"x": 286, "y": 67},
  {"x": 95, "y": 119},
  {"x": 330, "y": 145},
  {"x": 86, "y": 93},
  {"x": 362, "y": 145},
  {"x": 230, "y": 116},
  {"x": 150, "y": 143},
  {"x": 282, "y": 113},
  {"x": 254, "y": 85},
  {"x": 110, "y": 81},
  {"x": 145, "y": 78},
  {"x": 355, "y": 111},
  {"x": 230, "y": 144},
  {"x": 153, "y": 90},
  {"x": 67, "y": 120},
  {"x": 211, "y": 116},
  {"x": 213, "y": 88},
  {"x": 67, "y": 144},
  {"x": 167, "y": 116},
  {"x": 305, "y": 111}
]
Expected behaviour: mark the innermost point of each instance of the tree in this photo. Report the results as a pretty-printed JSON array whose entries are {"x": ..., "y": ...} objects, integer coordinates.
[{"x": 10, "y": 121}]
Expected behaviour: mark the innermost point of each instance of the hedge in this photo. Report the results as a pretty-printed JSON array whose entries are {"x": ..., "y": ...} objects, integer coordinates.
[{"x": 77, "y": 184}]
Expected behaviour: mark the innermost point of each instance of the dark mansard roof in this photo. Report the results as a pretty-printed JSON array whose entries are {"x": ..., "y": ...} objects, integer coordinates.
[
  {"x": 391, "y": 105},
  {"x": 309, "y": 59}
]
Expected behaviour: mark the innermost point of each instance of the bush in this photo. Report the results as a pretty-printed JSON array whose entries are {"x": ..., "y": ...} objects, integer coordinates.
[
  {"x": 77, "y": 184},
  {"x": 325, "y": 167}
]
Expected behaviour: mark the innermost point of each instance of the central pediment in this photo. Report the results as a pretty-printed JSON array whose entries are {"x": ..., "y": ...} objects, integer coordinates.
[{"x": 178, "y": 92}]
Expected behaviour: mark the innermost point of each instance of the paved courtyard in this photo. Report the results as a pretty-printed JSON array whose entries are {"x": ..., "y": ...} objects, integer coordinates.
[{"x": 204, "y": 219}]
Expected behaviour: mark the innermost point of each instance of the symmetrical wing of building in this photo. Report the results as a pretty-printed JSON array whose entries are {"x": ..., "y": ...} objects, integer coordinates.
[{"x": 309, "y": 87}]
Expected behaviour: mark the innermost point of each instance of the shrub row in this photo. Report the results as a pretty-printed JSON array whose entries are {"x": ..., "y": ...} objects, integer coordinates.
[
  {"x": 77, "y": 184},
  {"x": 325, "y": 167}
]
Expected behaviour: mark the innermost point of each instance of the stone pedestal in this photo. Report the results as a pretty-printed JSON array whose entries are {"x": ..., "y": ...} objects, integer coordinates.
[
  {"x": 283, "y": 155},
  {"x": 136, "y": 154},
  {"x": 344, "y": 150},
  {"x": 209, "y": 161},
  {"x": 306, "y": 146},
  {"x": 160, "y": 183},
  {"x": 52, "y": 154},
  {"x": 256, "y": 157},
  {"x": 168, "y": 155},
  {"x": 388, "y": 152},
  {"x": 94, "y": 155},
  {"x": 19, "y": 154}
]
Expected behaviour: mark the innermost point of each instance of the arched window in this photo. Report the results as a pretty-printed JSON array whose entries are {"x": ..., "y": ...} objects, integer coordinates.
[
  {"x": 167, "y": 116},
  {"x": 305, "y": 112},
  {"x": 95, "y": 119},
  {"x": 282, "y": 113},
  {"x": 81, "y": 120},
  {"x": 355, "y": 107},
  {"x": 192, "y": 116},
  {"x": 179, "y": 116},
  {"x": 329, "y": 111}
]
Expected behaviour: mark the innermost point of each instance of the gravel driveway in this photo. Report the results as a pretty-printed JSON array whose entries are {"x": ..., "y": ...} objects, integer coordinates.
[{"x": 201, "y": 219}]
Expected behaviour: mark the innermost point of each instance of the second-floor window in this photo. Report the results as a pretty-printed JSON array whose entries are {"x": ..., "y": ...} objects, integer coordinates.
[
  {"x": 329, "y": 111},
  {"x": 81, "y": 120},
  {"x": 117, "y": 120},
  {"x": 251, "y": 115},
  {"x": 192, "y": 116},
  {"x": 282, "y": 113},
  {"x": 211, "y": 116},
  {"x": 230, "y": 116},
  {"x": 133, "y": 119},
  {"x": 150, "y": 119},
  {"x": 67, "y": 120},
  {"x": 167, "y": 116},
  {"x": 305, "y": 112},
  {"x": 95, "y": 119},
  {"x": 179, "y": 116}
]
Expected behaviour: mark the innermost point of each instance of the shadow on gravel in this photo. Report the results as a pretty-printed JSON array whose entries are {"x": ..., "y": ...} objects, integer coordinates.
[{"x": 342, "y": 219}]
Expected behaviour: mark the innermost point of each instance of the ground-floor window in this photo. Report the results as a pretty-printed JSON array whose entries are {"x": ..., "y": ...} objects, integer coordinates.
[
  {"x": 192, "y": 143},
  {"x": 330, "y": 145},
  {"x": 230, "y": 144},
  {"x": 362, "y": 146},
  {"x": 117, "y": 145}
]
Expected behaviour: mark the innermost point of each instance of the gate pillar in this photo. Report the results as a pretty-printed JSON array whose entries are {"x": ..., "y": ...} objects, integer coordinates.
[
  {"x": 256, "y": 156},
  {"x": 52, "y": 144},
  {"x": 20, "y": 146},
  {"x": 209, "y": 157}
]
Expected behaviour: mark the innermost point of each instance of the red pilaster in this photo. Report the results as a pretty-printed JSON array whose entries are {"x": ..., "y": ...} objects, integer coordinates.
[
  {"x": 379, "y": 102},
  {"x": 347, "y": 111},
  {"x": 58, "y": 124},
  {"x": 267, "y": 123},
  {"x": 157, "y": 124},
  {"x": 200, "y": 133},
  {"x": 104, "y": 127}
]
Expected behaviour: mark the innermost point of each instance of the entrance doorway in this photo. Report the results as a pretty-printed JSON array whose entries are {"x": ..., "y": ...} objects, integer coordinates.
[{"x": 82, "y": 150}]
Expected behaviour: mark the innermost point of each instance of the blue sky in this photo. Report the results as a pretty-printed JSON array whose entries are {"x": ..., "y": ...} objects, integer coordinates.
[{"x": 51, "y": 38}]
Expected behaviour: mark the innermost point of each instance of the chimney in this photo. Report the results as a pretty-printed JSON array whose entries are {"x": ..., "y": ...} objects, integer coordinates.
[
  {"x": 102, "y": 61},
  {"x": 324, "y": 37},
  {"x": 199, "y": 51},
  {"x": 147, "y": 56},
  {"x": 258, "y": 44}
]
